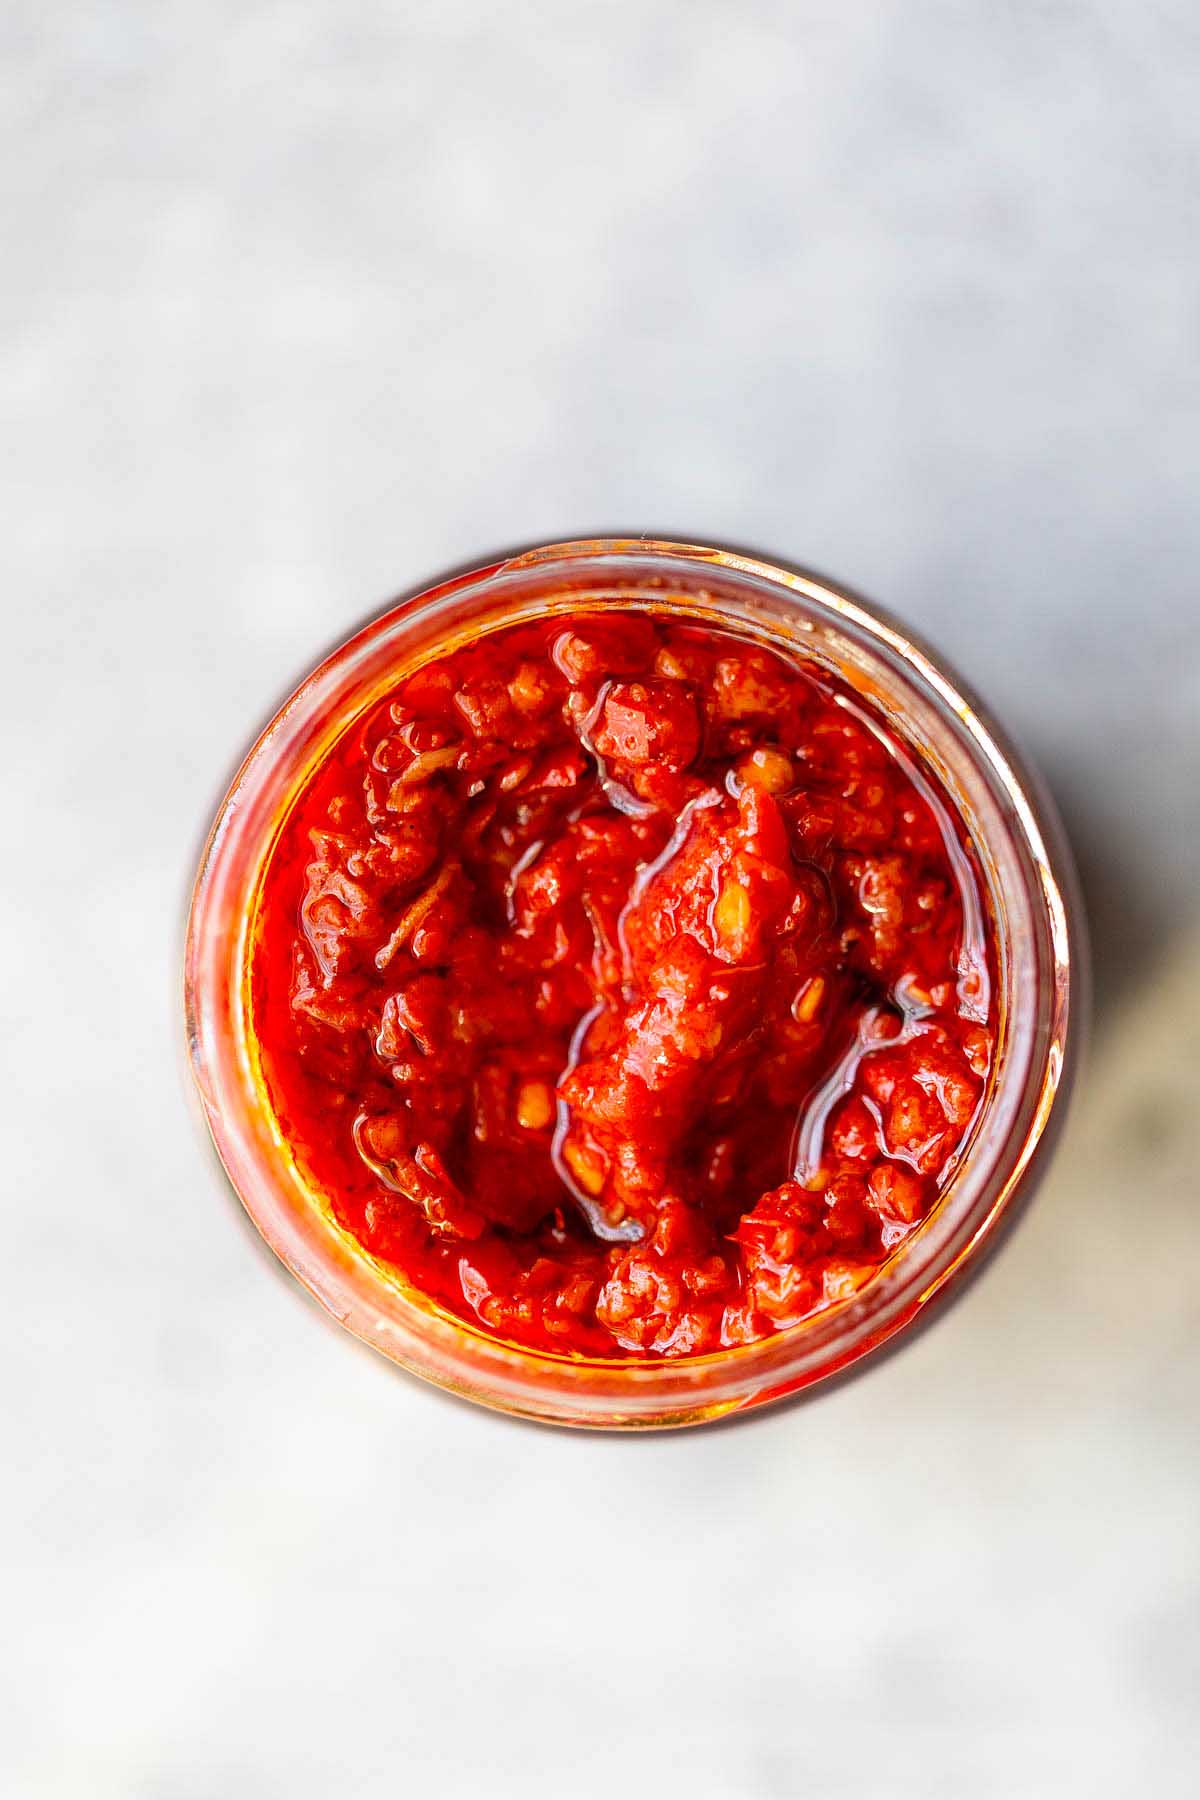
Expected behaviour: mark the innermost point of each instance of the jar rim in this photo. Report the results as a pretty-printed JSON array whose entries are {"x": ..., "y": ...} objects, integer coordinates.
[{"x": 1040, "y": 912}]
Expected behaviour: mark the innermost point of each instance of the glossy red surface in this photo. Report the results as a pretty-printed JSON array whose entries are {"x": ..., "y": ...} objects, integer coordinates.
[{"x": 625, "y": 984}]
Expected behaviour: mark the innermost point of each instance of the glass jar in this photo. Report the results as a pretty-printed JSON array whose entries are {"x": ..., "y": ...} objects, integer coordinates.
[{"x": 1024, "y": 864}]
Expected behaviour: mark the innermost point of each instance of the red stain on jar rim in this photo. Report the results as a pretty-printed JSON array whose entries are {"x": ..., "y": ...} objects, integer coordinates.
[{"x": 626, "y": 985}]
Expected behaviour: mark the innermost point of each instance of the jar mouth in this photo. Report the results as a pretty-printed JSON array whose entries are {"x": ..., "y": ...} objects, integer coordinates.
[{"x": 1026, "y": 873}]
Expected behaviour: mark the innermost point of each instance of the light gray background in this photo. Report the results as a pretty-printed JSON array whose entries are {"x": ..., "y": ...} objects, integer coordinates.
[{"x": 302, "y": 301}]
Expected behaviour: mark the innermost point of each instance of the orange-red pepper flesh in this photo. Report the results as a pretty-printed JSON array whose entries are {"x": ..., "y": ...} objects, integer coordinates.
[{"x": 626, "y": 984}]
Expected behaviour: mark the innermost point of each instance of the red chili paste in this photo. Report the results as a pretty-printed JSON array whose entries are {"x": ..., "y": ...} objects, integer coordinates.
[{"x": 626, "y": 985}]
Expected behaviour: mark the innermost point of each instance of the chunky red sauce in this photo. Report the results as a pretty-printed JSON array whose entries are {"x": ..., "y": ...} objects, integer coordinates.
[{"x": 625, "y": 985}]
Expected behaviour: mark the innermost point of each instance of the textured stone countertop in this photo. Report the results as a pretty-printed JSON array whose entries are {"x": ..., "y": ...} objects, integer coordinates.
[{"x": 301, "y": 303}]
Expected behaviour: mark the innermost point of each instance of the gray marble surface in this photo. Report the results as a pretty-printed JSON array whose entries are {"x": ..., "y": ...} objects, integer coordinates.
[{"x": 302, "y": 302}]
